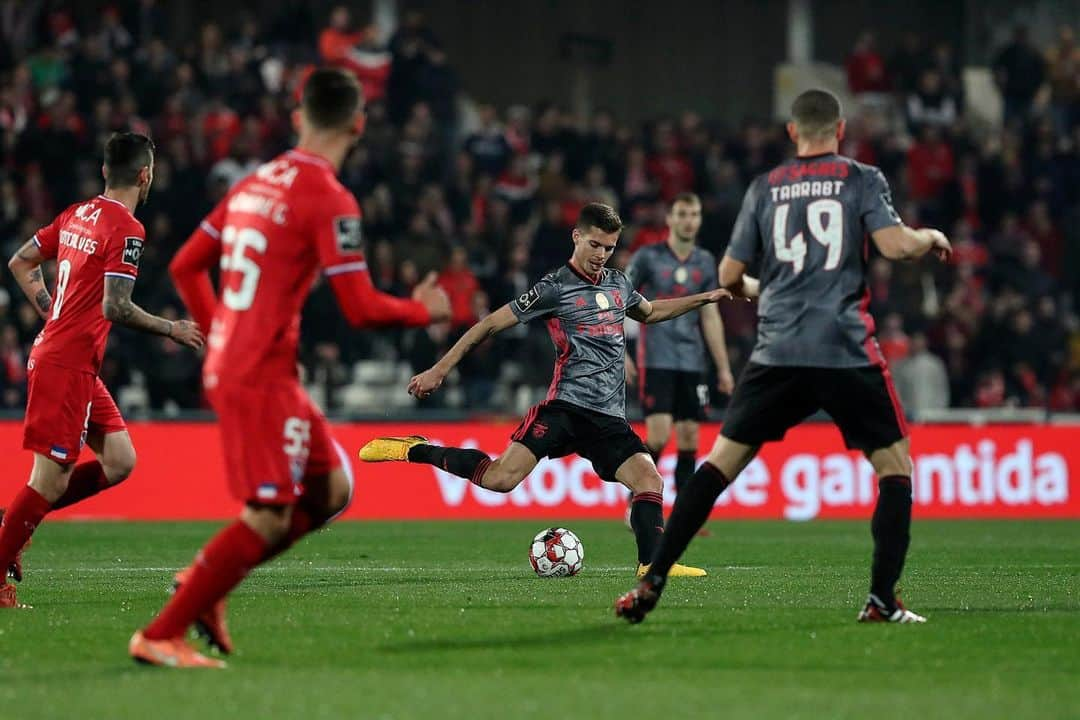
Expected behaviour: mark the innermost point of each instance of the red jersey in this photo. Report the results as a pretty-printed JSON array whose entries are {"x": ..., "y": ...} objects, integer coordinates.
[
  {"x": 90, "y": 241},
  {"x": 272, "y": 232}
]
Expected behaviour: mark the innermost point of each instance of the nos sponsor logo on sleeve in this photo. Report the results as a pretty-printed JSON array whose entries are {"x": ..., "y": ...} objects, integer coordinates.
[
  {"x": 348, "y": 231},
  {"x": 133, "y": 248}
]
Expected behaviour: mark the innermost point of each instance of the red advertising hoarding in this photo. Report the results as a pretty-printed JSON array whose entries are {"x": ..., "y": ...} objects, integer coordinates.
[{"x": 1012, "y": 471}]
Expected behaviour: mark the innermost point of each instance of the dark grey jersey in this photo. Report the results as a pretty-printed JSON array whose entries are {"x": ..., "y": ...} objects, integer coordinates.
[
  {"x": 808, "y": 221},
  {"x": 659, "y": 274},
  {"x": 585, "y": 320}
]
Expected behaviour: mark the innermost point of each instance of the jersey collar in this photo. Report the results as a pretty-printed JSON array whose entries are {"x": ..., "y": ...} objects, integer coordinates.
[
  {"x": 310, "y": 157},
  {"x": 583, "y": 276},
  {"x": 115, "y": 202},
  {"x": 667, "y": 244}
]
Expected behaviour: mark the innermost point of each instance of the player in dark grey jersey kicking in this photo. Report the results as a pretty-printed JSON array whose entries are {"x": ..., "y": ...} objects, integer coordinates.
[
  {"x": 807, "y": 221},
  {"x": 584, "y": 305}
]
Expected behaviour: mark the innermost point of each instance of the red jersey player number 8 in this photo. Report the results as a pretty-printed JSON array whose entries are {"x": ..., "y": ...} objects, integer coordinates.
[
  {"x": 63, "y": 275},
  {"x": 237, "y": 241}
]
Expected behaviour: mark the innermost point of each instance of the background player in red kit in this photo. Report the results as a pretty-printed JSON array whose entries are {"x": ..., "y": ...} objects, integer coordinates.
[
  {"x": 271, "y": 234},
  {"x": 97, "y": 245}
]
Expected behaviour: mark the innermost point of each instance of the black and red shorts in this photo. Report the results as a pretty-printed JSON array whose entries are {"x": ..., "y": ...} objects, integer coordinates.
[
  {"x": 770, "y": 399},
  {"x": 680, "y": 393},
  {"x": 558, "y": 428}
]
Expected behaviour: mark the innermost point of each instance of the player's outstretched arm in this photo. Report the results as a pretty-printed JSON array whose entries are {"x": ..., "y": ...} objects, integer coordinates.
[
  {"x": 733, "y": 278},
  {"x": 429, "y": 381},
  {"x": 900, "y": 242},
  {"x": 118, "y": 308},
  {"x": 25, "y": 265},
  {"x": 654, "y": 311}
]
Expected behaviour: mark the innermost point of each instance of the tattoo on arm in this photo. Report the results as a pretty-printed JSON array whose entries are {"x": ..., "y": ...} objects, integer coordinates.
[
  {"x": 44, "y": 302},
  {"x": 118, "y": 307}
]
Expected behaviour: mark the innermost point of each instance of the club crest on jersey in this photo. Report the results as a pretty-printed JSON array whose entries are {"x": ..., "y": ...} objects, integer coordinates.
[
  {"x": 88, "y": 212},
  {"x": 133, "y": 248},
  {"x": 349, "y": 234},
  {"x": 527, "y": 300},
  {"x": 602, "y": 301},
  {"x": 681, "y": 275}
]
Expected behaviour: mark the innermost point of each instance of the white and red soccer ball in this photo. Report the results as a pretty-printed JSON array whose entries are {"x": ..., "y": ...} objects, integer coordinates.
[{"x": 556, "y": 552}]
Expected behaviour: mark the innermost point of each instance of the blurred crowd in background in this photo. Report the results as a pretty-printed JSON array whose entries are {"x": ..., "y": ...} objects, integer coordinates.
[{"x": 486, "y": 196}]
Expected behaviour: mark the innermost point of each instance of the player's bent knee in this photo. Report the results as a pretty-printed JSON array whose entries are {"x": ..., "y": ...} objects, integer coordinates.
[
  {"x": 271, "y": 522},
  {"x": 644, "y": 479},
  {"x": 119, "y": 469}
]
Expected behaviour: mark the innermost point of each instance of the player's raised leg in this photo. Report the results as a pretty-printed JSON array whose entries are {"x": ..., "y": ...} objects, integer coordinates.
[
  {"x": 463, "y": 462},
  {"x": 502, "y": 474}
]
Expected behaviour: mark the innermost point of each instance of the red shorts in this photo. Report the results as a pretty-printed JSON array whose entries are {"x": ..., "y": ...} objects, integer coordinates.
[
  {"x": 63, "y": 406},
  {"x": 273, "y": 437}
]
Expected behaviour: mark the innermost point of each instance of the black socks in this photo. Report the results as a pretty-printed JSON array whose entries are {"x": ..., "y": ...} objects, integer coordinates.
[
  {"x": 891, "y": 528},
  {"x": 647, "y": 522},
  {"x": 684, "y": 468},
  {"x": 469, "y": 464},
  {"x": 692, "y": 507}
]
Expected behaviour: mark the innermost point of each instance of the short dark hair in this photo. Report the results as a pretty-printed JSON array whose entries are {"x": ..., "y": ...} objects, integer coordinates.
[
  {"x": 331, "y": 98},
  {"x": 685, "y": 197},
  {"x": 600, "y": 216},
  {"x": 816, "y": 113},
  {"x": 125, "y": 155}
]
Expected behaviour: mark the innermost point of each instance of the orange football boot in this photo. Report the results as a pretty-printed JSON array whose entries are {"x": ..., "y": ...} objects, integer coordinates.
[{"x": 174, "y": 653}]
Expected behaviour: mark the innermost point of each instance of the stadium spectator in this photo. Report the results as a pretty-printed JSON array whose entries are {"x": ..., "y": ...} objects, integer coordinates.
[
  {"x": 930, "y": 104},
  {"x": 1063, "y": 73},
  {"x": 866, "y": 68},
  {"x": 461, "y": 287},
  {"x": 357, "y": 50},
  {"x": 219, "y": 101},
  {"x": 921, "y": 379},
  {"x": 1019, "y": 71}
]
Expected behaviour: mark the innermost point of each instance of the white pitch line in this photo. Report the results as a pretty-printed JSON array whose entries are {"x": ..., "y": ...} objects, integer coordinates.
[{"x": 31, "y": 570}]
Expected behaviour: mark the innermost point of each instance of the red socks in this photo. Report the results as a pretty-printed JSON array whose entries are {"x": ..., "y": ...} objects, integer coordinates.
[
  {"x": 218, "y": 568},
  {"x": 86, "y": 480},
  {"x": 20, "y": 520}
]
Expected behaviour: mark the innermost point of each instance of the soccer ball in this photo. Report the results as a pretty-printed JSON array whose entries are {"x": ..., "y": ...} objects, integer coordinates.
[{"x": 556, "y": 552}]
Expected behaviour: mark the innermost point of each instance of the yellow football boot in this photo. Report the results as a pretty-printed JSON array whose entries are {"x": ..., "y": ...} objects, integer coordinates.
[
  {"x": 390, "y": 449},
  {"x": 676, "y": 571}
]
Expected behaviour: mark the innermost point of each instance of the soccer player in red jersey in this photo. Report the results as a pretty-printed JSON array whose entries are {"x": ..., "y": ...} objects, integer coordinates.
[
  {"x": 270, "y": 235},
  {"x": 97, "y": 245}
]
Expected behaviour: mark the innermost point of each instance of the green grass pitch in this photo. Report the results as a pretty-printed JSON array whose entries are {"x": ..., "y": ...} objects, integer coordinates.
[{"x": 446, "y": 620}]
